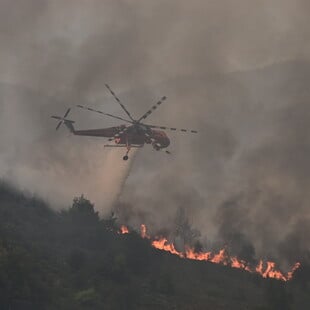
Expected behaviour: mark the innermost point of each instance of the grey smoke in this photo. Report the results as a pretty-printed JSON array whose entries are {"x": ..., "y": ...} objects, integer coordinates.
[{"x": 238, "y": 72}]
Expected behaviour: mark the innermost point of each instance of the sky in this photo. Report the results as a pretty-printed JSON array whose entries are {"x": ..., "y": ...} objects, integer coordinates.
[{"x": 237, "y": 71}]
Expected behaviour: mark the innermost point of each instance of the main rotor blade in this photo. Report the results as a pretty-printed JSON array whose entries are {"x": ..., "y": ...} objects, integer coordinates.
[
  {"x": 100, "y": 112},
  {"x": 172, "y": 128},
  {"x": 119, "y": 102},
  {"x": 66, "y": 114},
  {"x": 152, "y": 109},
  {"x": 59, "y": 124},
  {"x": 57, "y": 117}
]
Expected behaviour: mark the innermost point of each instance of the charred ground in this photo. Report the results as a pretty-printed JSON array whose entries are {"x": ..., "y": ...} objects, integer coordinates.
[{"x": 74, "y": 260}]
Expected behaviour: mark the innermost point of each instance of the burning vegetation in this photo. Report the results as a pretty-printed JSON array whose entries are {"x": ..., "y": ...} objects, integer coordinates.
[{"x": 266, "y": 269}]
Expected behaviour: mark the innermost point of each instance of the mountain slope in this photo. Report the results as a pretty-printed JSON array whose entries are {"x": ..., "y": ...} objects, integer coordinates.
[{"x": 73, "y": 260}]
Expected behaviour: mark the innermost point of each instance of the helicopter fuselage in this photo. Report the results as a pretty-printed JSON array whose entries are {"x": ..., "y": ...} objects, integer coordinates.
[{"x": 141, "y": 136}]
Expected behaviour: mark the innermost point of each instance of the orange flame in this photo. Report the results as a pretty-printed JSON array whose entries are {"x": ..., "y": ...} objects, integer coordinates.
[
  {"x": 124, "y": 230},
  {"x": 270, "y": 271},
  {"x": 291, "y": 273},
  {"x": 164, "y": 245},
  {"x": 266, "y": 270},
  {"x": 143, "y": 231}
]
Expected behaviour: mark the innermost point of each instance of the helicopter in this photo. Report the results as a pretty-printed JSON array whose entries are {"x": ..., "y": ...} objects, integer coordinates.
[{"x": 135, "y": 134}]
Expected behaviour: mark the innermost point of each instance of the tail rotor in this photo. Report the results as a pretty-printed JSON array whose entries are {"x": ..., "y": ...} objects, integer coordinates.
[{"x": 62, "y": 119}]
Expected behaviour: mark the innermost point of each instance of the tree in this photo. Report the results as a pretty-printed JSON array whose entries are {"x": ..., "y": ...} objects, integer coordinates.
[
  {"x": 83, "y": 210},
  {"x": 110, "y": 222},
  {"x": 183, "y": 228}
]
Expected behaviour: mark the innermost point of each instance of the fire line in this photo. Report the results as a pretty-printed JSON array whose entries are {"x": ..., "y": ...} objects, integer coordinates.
[{"x": 265, "y": 269}]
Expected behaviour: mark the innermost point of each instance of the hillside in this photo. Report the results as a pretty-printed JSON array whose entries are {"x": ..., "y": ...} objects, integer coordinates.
[{"x": 74, "y": 260}]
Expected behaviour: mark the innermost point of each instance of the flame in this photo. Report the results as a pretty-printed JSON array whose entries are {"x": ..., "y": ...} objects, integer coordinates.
[
  {"x": 143, "y": 231},
  {"x": 190, "y": 254},
  {"x": 266, "y": 270},
  {"x": 270, "y": 271},
  {"x": 164, "y": 245},
  {"x": 291, "y": 273},
  {"x": 124, "y": 230}
]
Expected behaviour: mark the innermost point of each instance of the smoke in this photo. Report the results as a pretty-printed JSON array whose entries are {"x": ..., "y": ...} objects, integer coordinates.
[
  {"x": 103, "y": 181},
  {"x": 237, "y": 72},
  {"x": 56, "y": 165}
]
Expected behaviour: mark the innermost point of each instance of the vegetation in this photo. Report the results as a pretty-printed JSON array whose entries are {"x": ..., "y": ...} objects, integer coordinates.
[{"x": 74, "y": 260}]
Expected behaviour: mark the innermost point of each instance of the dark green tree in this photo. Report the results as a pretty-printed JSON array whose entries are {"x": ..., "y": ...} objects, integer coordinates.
[{"x": 83, "y": 210}]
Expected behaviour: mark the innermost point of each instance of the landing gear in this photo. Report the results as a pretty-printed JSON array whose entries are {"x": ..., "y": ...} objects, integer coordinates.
[{"x": 128, "y": 146}]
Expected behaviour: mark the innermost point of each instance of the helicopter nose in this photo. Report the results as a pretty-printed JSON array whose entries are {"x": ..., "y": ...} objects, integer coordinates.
[{"x": 168, "y": 142}]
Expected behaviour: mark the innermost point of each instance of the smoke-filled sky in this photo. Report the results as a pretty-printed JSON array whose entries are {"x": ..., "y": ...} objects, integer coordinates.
[{"x": 237, "y": 71}]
